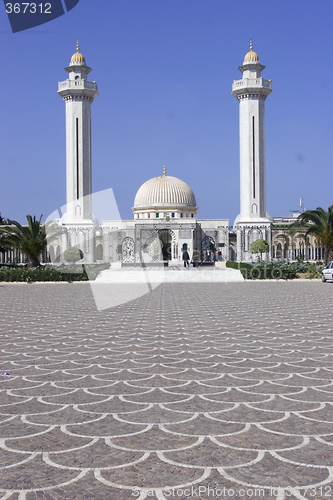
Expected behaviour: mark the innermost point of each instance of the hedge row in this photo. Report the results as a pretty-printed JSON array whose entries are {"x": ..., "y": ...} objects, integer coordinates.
[
  {"x": 49, "y": 273},
  {"x": 264, "y": 271},
  {"x": 277, "y": 270}
]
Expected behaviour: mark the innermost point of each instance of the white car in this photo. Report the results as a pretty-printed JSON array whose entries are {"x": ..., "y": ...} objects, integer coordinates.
[{"x": 327, "y": 273}]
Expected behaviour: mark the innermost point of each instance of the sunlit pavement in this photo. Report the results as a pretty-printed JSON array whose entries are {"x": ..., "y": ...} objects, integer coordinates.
[{"x": 194, "y": 390}]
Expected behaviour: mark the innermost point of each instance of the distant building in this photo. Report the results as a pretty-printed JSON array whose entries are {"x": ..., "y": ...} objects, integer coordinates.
[{"x": 293, "y": 246}]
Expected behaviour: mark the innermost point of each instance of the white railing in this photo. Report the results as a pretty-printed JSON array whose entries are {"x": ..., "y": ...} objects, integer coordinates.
[
  {"x": 81, "y": 84},
  {"x": 252, "y": 82}
]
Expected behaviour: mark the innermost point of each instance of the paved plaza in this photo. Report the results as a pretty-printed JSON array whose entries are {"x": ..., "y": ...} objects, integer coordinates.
[{"x": 191, "y": 391}]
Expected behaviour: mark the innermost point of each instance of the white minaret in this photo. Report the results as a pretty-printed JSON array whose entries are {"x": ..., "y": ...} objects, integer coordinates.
[
  {"x": 78, "y": 94},
  {"x": 251, "y": 92}
]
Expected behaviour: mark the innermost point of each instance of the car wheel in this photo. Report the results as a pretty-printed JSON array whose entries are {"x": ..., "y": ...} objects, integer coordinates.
[{"x": 323, "y": 279}]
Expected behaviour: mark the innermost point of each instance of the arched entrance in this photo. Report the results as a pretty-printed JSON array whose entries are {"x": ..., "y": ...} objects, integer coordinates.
[
  {"x": 99, "y": 252},
  {"x": 208, "y": 248},
  {"x": 165, "y": 237},
  {"x": 157, "y": 246}
]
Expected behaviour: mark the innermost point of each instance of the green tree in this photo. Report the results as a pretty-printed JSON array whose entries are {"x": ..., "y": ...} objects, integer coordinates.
[
  {"x": 318, "y": 223},
  {"x": 259, "y": 246},
  {"x": 30, "y": 239},
  {"x": 73, "y": 254},
  {"x": 3, "y": 221}
]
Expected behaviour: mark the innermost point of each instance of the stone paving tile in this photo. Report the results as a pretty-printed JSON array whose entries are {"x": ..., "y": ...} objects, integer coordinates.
[
  {"x": 278, "y": 403},
  {"x": 298, "y": 425},
  {"x": 66, "y": 416},
  {"x": 52, "y": 440},
  {"x": 155, "y": 414},
  {"x": 116, "y": 405},
  {"x": 314, "y": 453},
  {"x": 223, "y": 387},
  {"x": 203, "y": 425},
  {"x": 216, "y": 485},
  {"x": 35, "y": 474},
  {"x": 254, "y": 437},
  {"x": 152, "y": 473},
  {"x": 44, "y": 389},
  {"x": 285, "y": 473},
  {"x": 30, "y": 407},
  {"x": 98, "y": 455},
  {"x": 79, "y": 396},
  {"x": 17, "y": 427},
  {"x": 9, "y": 457},
  {"x": 155, "y": 439},
  {"x": 105, "y": 427},
  {"x": 235, "y": 395},
  {"x": 211, "y": 454}
]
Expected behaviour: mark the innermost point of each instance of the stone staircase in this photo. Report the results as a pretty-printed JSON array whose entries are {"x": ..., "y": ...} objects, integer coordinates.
[{"x": 171, "y": 274}]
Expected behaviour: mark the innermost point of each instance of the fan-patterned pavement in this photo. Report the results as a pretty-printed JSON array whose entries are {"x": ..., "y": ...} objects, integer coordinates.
[{"x": 198, "y": 390}]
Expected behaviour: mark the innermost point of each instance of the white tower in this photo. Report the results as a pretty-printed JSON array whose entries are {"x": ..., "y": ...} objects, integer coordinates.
[
  {"x": 78, "y": 94},
  {"x": 251, "y": 92}
]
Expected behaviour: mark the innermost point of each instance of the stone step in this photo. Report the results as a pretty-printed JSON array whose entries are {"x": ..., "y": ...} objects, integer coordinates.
[{"x": 169, "y": 275}]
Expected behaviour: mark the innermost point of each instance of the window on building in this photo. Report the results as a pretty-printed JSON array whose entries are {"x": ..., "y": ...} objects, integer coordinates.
[
  {"x": 191, "y": 215},
  {"x": 148, "y": 216},
  {"x": 172, "y": 215},
  {"x": 181, "y": 215},
  {"x": 157, "y": 216}
]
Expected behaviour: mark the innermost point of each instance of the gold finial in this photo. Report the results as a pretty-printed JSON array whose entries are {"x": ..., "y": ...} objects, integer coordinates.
[
  {"x": 164, "y": 170},
  {"x": 251, "y": 56},
  {"x": 77, "y": 57}
]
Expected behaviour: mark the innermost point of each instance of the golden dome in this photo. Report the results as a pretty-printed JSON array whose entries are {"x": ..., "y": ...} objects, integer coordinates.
[
  {"x": 164, "y": 191},
  {"x": 251, "y": 56},
  {"x": 78, "y": 57}
]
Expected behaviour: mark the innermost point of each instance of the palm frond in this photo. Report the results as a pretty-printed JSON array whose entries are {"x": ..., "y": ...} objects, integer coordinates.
[
  {"x": 31, "y": 239},
  {"x": 318, "y": 223}
]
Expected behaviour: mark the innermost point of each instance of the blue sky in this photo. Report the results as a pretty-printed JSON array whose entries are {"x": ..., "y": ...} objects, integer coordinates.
[{"x": 164, "y": 70}]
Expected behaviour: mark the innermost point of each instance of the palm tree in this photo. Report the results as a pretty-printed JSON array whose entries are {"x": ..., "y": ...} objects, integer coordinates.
[
  {"x": 30, "y": 239},
  {"x": 318, "y": 223}
]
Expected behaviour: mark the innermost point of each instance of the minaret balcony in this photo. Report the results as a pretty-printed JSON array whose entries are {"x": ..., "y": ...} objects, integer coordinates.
[
  {"x": 78, "y": 85},
  {"x": 246, "y": 85}
]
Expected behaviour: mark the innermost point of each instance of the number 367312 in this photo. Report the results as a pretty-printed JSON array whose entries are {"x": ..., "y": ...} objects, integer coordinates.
[{"x": 28, "y": 8}]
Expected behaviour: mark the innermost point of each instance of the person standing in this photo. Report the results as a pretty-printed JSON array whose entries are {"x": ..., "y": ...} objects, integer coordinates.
[
  {"x": 196, "y": 257},
  {"x": 186, "y": 258}
]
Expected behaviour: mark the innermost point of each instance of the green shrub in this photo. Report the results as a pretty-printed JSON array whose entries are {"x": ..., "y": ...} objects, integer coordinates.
[
  {"x": 73, "y": 254},
  {"x": 265, "y": 270},
  {"x": 49, "y": 273},
  {"x": 40, "y": 274},
  {"x": 315, "y": 270}
]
